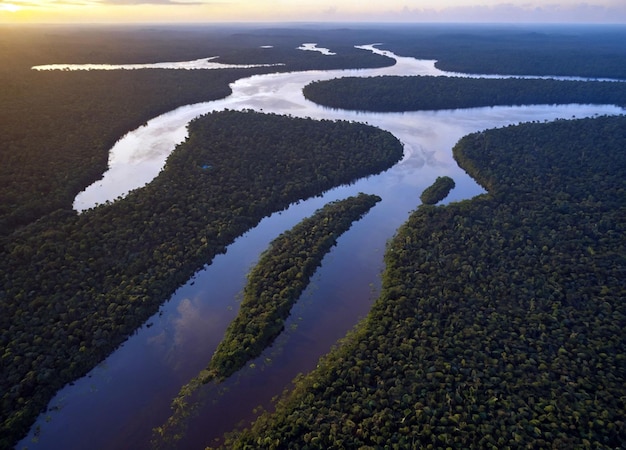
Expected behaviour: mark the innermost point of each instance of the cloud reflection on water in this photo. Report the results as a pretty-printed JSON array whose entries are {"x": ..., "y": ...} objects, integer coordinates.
[{"x": 189, "y": 329}]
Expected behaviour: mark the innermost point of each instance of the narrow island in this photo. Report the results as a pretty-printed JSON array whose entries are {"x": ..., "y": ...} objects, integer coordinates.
[
  {"x": 278, "y": 279},
  {"x": 415, "y": 93},
  {"x": 437, "y": 191},
  {"x": 274, "y": 285}
]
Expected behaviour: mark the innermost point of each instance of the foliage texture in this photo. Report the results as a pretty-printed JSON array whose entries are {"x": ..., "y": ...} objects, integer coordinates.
[
  {"x": 277, "y": 280},
  {"x": 501, "y": 320},
  {"x": 392, "y": 93},
  {"x": 75, "y": 286},
  {"x": 437, "y": 191}
]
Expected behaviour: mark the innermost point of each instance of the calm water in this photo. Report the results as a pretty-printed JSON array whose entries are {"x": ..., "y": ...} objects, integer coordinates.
[
  {"x": 204, "y": 64},
  {"x": 119, "y": 403}
]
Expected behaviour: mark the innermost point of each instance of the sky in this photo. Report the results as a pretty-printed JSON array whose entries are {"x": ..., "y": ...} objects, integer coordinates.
[{"x": 200, "y": 11}]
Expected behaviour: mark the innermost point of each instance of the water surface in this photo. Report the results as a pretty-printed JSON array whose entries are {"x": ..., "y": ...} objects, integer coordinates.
[{"x": 197, "y": 64}]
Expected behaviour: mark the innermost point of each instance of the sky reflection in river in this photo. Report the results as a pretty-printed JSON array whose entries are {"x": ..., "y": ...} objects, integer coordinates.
[
  {"x": 139, "y": 156},
  {"x": 198, "y": 64}
]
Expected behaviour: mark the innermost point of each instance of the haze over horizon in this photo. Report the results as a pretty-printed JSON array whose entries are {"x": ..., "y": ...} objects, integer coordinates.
[{"x": 210, "y": 11}]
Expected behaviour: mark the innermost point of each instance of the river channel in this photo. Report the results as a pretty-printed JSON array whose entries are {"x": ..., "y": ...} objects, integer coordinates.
[{"x": 117, "y": 405}]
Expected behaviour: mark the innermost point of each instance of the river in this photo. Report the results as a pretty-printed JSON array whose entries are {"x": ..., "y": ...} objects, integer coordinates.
[{"x": 119, "y": 402}]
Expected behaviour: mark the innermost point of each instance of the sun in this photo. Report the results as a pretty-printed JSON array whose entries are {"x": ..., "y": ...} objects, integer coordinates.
[{"x": 9, "y": 7}]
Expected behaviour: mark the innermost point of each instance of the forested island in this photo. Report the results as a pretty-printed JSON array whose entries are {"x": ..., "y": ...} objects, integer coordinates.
[
  {"x": 501, "y": 319},
  {"x": 391, "y": 93},
  {"x": 74, "y": 286},
  {"x": 437, "y": 191},
  {"x": 273, "y": 286},
  {"x": 277, "y": 280}
]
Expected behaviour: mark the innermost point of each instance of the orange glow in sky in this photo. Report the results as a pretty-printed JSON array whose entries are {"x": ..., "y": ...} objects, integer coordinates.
[{"x": 167, "y": 11}]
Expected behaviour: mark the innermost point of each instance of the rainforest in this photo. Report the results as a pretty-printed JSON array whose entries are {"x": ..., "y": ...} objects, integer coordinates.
[
  {"x": 500, "y": 321},
  {"x": 496, "y": 321}
]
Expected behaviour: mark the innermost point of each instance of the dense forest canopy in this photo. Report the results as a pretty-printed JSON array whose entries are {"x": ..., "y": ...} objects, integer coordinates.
[
  {"x": 540, "y": 49},
  {"x": 391, "y": 93},
  {"x": 437, "y": 191},
  {"x": 73, "y": 287},
  {"x": 40, "y": 111},
  {"x": 501, "y": 320}
]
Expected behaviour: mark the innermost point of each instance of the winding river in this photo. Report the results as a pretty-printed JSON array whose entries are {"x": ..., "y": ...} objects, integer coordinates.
[{"x": 118, "y": 403}]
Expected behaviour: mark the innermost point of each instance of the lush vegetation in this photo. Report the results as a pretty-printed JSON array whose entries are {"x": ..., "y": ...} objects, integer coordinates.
[
  {"x": 501, "y": 320},
  {"x": 74, "y": 286},
  {"x": 66, "y": 299},
  {"x": 45, "y": 161},
  {"x": 431, "y": 93},
  {"x": 279, "y": 278},
  {"x": 437, "y": 191},
  {"x": 274, "y": 285},
  {"x": 55, "y": 140}
]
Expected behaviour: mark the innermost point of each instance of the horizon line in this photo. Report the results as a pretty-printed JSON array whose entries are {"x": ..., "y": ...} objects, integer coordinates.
[{"x": 318, "y": 22}]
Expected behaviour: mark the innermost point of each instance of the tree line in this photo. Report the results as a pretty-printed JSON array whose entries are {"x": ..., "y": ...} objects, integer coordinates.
[{"x": 395, "y": 93}]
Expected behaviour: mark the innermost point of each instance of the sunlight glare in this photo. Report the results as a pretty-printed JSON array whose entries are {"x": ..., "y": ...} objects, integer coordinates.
[{"x": 9, "y": 7}]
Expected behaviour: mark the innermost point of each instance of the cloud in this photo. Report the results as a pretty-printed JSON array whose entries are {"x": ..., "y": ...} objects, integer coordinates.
[
  {"x": 10, "y": 7},
  {"x": 509, "y": 12},
  {"x": 153, "y": 2}
]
